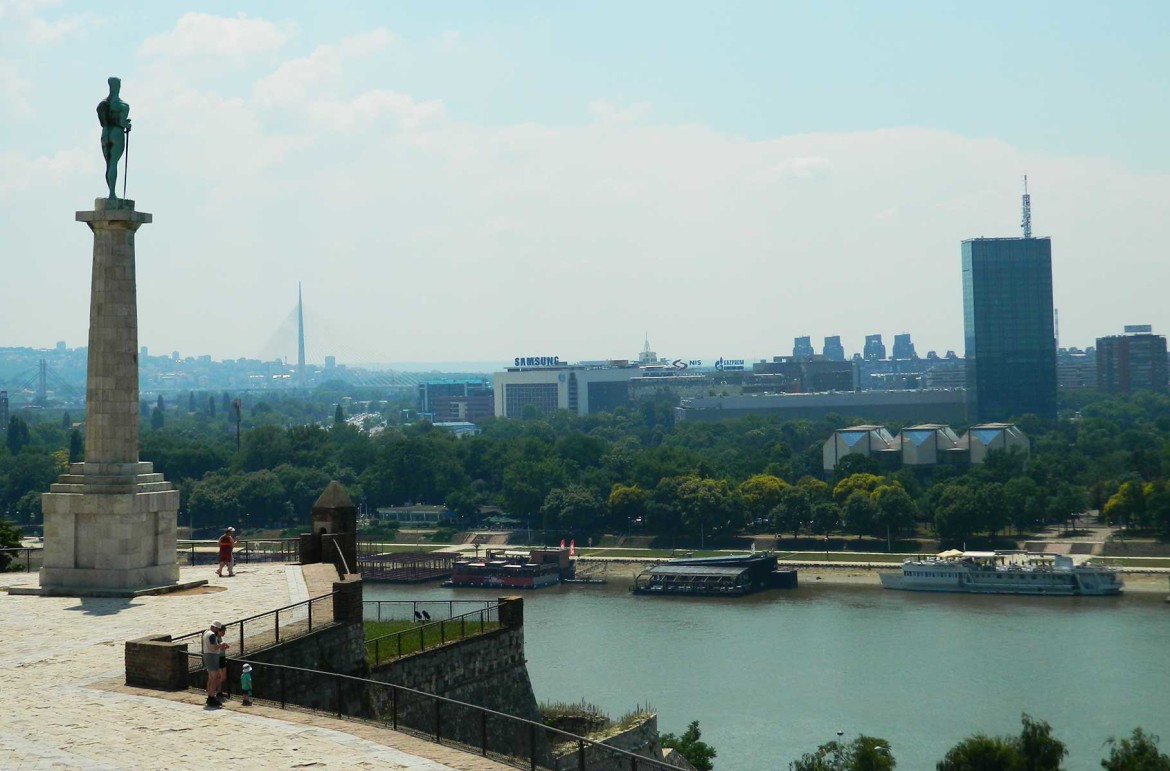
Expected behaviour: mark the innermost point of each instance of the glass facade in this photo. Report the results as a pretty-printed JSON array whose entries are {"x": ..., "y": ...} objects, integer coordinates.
[
  {"x": 608, "y": 396},
  {"x": 519, "y": 395},
  {"x": 1008, "y": 327}
]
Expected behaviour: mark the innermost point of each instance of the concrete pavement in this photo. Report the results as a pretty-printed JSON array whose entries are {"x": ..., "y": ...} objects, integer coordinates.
[{"x": 61, "y": 662}]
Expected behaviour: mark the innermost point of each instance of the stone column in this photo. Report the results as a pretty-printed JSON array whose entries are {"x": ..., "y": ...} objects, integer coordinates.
[
  {"x": 111, "y": 522},
  {"x": 111, "y": 390}
]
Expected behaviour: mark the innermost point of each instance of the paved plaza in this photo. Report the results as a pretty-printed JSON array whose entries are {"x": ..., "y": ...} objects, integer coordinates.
[{"x": 62, "y": 666}]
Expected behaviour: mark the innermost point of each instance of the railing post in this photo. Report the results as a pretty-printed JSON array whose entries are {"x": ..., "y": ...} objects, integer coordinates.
[
  {"x": 310, "y": 615},
  {"x": 581, "y": 754},
  {"x": 532, "y": 746},
  {"x": 394, "y": 707},
  {"x": 422, "y": 640},
  {"x": 282, "y": 699},
  {"x": 438, "y": 721},
  {"x": 442, "y": 633},
  {"x": 634, "y": 763},
  {"x": 241, "y": 648},
  {"x": 278, "y": 625},
  {"x": 399, "y": 636},
  {"x": 462, "y": 627},
  {"x": 377, "y": 651},
  {"x": 337, "y": 680},
  {"x": 483, "y": 730}
]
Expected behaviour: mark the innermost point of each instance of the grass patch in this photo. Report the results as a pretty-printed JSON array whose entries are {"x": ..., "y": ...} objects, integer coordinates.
[
  {"x": 412, "y": 637},
  {"x": 837, "y": 556}
]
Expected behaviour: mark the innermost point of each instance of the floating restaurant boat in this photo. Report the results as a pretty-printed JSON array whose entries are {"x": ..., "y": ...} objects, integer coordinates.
[
  {"x": 513, "y": 569},
  {"x": 1003, "y": 572},
  {"x": 729, "y": 576}
]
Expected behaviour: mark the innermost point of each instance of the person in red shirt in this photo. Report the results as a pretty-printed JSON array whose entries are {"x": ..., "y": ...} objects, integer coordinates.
[{"x": 226, "y": 542}]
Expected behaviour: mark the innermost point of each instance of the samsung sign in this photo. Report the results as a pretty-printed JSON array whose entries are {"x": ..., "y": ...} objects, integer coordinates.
[
  {"x": 537, "y": 361},
  {"x": 727, "y": 365}
]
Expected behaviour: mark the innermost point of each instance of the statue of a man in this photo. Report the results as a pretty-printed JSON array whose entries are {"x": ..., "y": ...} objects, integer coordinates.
[{"x": 114, "y": 115}]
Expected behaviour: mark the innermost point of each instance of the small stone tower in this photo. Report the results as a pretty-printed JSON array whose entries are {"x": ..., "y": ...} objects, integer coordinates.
[{"x": 334, "y": 536}]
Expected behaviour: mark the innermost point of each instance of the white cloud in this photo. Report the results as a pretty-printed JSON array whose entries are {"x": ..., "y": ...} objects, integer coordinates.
[
  {"x": 26, "y": 17},
  {"x": 803, "y": 168},
  {"x": 201, "y": 34},
  {"x": 608, "y": 112},
  {"x": 13, "y": 93},
  {"x": 297, "y": 79},
  {"x": 23, "y": 172},
  {"x": 366, "y": 109}
]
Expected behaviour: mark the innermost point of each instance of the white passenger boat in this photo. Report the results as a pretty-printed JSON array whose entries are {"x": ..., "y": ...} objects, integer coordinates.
[{"x": 1002, "y": 572}]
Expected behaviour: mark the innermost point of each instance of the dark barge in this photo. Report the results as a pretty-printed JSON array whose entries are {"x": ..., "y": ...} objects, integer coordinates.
[{"x": 730, "y": 576}]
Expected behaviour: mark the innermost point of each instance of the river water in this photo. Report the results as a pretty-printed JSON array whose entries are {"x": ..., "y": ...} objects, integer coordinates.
[{"x": 773, "y": 675}]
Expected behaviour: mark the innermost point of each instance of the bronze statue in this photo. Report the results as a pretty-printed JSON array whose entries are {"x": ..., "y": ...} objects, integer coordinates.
[{"x": 114, "y": 115}]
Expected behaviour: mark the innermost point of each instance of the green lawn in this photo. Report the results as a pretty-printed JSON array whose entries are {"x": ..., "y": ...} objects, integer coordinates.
[
  {"x": 1133, "y": 562},
  {"x": 415, "y": 637}
]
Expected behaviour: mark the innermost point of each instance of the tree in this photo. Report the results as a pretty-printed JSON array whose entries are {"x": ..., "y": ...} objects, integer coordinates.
[
  {"x": 76, "y": 446},
  {"x": 191, "y": 401},
  {"x": 157, "y": 419},
  {"x": 895, "y": 509},
  {"x": 573, "y": 508},
  {"x": 1137, "y": 752},
  {"x": 162, "y": 406},
  {"x": 9, "y": 539},
  {"x": 866, "y": 483},
  {"x": 690, "y": 745},
  {"x": 1035, "y": 749},
  {"x": 210, "y": 406},
  {"x": 865, "y": 753},
  {"x": 859, "y": 512},
  {"x": 793, "y": 511},
  {"x": 707, "y": 507},
  {"x": 760, "y": 494},
  {"x": 17, "y": 434},
  {"x": 626, "y": 503},
  {"x": 981, "y": 753},
  {"x": 338, "y": 416}
]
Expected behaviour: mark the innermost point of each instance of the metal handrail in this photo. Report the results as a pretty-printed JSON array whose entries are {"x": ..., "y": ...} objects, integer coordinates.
[
  {"x": 414, "y": 605},
  {"x": 308, "y": 604},
  {"x": 16, "y": 550},
  {"x": 288, "y": 549},
  {"x": 636, "y": 762},
  {"x": 420, "y": 630}
]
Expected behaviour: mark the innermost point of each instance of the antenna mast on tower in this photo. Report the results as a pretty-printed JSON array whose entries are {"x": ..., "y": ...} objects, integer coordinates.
[
  {"x": 300, "y": 338},
  {"x": 1026, "y": 224}
]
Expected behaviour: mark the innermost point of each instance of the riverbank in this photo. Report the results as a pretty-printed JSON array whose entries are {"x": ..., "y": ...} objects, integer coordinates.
[{"x": 833, "y": 574}]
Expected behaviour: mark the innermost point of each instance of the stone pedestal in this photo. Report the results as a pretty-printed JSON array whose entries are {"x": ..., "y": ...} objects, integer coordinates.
[{"x": 110, "y": 522}]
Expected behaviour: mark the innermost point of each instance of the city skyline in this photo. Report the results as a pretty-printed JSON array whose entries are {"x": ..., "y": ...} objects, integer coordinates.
[{"x": 480, "y": 184}]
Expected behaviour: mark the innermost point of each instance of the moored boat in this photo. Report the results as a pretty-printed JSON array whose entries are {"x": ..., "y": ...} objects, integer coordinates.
[{"x": 1003, "y": 572}]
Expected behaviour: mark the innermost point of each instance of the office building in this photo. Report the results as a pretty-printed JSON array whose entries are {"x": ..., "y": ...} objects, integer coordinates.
[
  {"x": 1076, "y": 369},
  {"x": 4, "y": 409},
  {"x": 802, "y": 348},
  {"x": 545, "y": 384},
  {"x": 833, "y": 350},
  {"x": 1132, "y": 362},
  {"x": 903, "y": 347},
  {"x": 1008, "y": 327},
  {"x": 874, "y": 348}
]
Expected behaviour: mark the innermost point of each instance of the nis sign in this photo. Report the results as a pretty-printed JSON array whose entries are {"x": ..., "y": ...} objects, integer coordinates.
[
  {"x": 537, "y": 361},
  {"x": 681, "y": 364}
]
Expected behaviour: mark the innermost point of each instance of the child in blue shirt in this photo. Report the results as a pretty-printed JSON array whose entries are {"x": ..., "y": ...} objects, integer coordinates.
[{"x": 246, "y": 684}]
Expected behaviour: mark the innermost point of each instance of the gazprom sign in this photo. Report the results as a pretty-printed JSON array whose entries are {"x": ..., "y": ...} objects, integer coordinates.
[
  {"x": 537, "y": 361},
  {"x": 727, "y": 365}
]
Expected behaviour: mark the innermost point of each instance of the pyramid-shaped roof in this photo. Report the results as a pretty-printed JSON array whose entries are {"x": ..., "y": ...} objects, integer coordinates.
[{"x": 334, "y": 497}]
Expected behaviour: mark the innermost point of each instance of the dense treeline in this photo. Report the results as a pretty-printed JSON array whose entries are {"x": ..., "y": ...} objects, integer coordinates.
[
  {"x": 1035, "y": 749},
  {"x": 632, "y": 469}
]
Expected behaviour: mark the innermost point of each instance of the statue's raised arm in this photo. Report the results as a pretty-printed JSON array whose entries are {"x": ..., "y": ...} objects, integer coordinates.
[{"x": 114, "y": 115}]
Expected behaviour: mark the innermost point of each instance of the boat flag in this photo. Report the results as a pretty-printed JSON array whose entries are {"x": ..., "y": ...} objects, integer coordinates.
[
  {"x": 562, "y": 543},
  {"x": 573, "y": 547}
]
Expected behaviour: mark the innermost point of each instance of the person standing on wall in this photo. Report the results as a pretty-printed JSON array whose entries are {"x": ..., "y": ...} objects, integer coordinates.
[{"x": 227, "y": 542}]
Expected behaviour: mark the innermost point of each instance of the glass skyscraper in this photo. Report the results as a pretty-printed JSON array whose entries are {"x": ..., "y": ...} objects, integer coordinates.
[{"x": 1008, "y": 327}]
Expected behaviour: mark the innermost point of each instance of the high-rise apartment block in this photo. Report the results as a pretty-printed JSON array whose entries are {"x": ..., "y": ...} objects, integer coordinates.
[
  {"x": 1132, "y": 362},
  {"x": 874, "y": 348},
  {"x": 802, "y": 349},
  {"x": 903, "y": 347},
  {"x": 1008, "y": 327},
  {"x": 833, "y": 350}
]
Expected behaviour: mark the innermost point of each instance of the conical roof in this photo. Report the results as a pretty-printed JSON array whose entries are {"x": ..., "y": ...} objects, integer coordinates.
[{"x": 334, "y": 497}]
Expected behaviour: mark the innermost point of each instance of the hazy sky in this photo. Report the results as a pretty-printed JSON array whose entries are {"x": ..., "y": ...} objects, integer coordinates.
[{"x": 477, "y": 181}]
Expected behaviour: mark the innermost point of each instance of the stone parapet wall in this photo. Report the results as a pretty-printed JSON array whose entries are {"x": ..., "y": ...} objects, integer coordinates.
[
  {"x": 156, "y": 662},
  {"x": 640, "y": 739}
]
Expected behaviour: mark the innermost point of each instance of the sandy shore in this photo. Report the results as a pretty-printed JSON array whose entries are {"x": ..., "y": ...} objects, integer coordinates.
[{"x": 844, "y": 575}]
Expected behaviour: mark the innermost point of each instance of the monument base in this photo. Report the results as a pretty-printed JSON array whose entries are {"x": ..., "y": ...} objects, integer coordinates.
[{"x": 109, "y": 532}]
